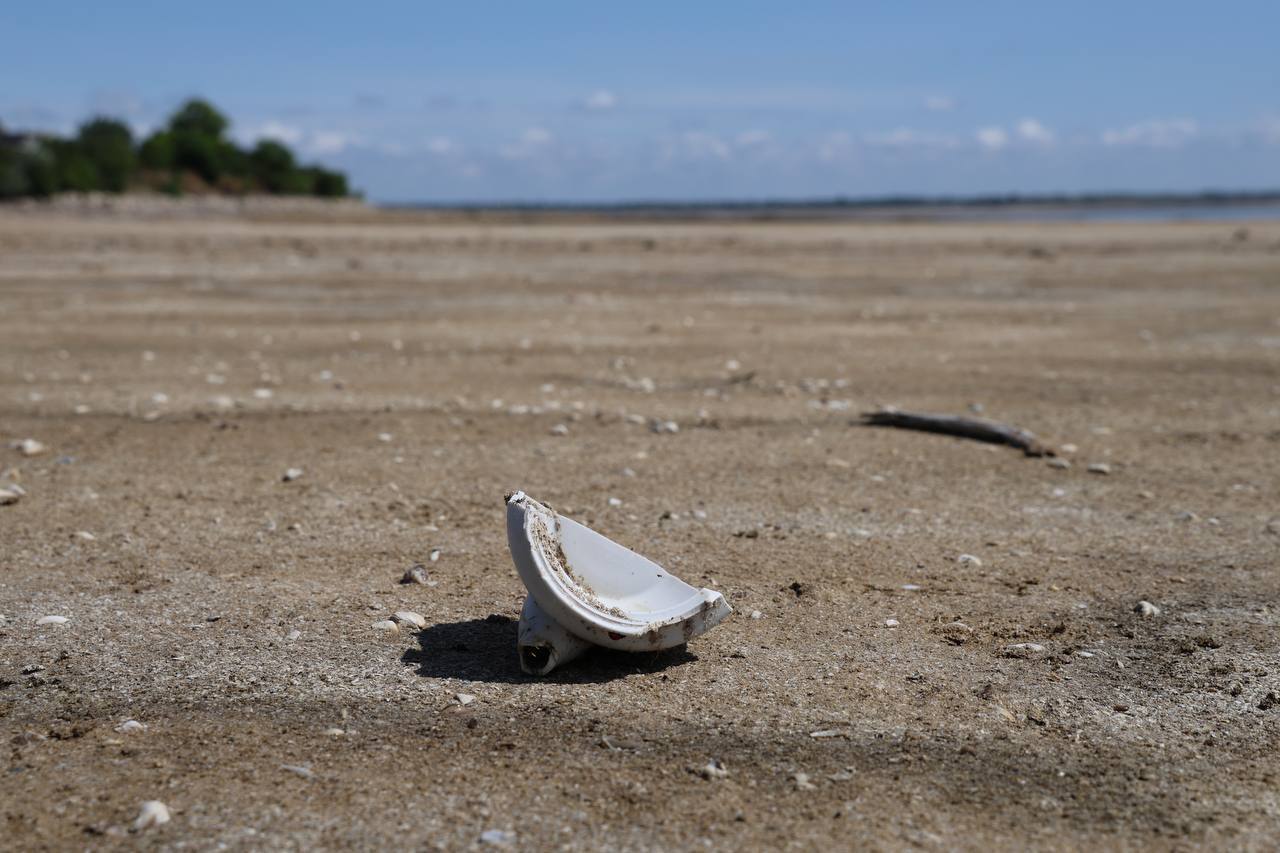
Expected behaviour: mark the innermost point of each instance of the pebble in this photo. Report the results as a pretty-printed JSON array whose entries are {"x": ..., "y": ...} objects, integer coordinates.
[
  {"x": 129, "y": 726},
  {"x": 911, "y": 587},
  {"x": 335, "y": 732},
  {"x": 956, "y": 633},
  {"x": 661, "y": 427},
  {"x": 713, "y": 769},
  {"x": 1023, "y": 650},
  {"x": 1146, "y": 609},
  {"x": 299, "y": 770},
  {"x": 615, "y": 502},
  {"x": 1059, "y": 463},
  {"x": 263, "y": 393},
  {"x": 86, "y": 536},
  {"x": 559, "y": 429},
  {"x": 409, "y": 617},
  {"x": 417, "y": 574},
  {"x": 385, "y": 437},
  {"x": 386, "y": 625},
  {"x": 891, "y": 623},
  {"x": 802, "y": 782},
  {"x": 828, "y": 733},
  {"x": 497, "y": 837},
  {"x": 434, "y": 555},
  {"x": 152, "y": 813},
  {"x": 968, "y": 560},
  {"x": 293, "y": 635},
  {"x": 464, "y": 698},
  {"x": 29, "y": 447},
  {"x": 1099, "y": 468},
  {"x": 756, "y": 614},
  {"x": 8, "y": 497},
  {"x": 52, "y": 620},
  {"x": 291, "y": 474}
]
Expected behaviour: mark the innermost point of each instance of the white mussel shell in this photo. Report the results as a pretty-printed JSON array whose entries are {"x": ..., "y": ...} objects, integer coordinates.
[{"x": 593, "y": 589}]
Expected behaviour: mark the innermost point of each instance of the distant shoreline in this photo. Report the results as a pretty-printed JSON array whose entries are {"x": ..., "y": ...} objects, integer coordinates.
[{"x": 1095, "y": 206}]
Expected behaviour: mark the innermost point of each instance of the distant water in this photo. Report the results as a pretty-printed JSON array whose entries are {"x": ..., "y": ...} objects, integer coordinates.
[
  {"x": 1173, "y": 210},
  {"x": 1107, "y": 213}
]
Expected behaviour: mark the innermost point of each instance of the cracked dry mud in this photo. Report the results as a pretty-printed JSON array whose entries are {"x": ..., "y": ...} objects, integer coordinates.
[{"x": 415, "y": 368}]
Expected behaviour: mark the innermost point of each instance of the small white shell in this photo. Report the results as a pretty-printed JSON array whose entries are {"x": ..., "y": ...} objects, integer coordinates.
[
  {"x": 386, "y": 625},
  {"x": 153, "y": 813},
  {"x": 408, "y": 616},
  {"x": 52, "y": 620}
]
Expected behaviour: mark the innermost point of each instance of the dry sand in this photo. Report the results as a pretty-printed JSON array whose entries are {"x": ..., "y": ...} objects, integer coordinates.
[{"x": 416, "y": 371}]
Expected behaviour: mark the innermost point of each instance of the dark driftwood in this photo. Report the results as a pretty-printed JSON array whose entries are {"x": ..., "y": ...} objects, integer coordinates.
[{"x": 978, "y": 429}]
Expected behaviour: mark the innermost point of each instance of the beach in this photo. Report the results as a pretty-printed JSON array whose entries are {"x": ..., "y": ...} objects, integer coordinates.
[{"x": 936, "y": 643}]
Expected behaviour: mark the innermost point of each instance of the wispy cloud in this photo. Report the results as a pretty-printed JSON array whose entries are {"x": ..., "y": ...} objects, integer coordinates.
[
  {"x": 1031, "y": 130},
  {"x": 992, "y": 138},
  {"x": 1157, "y": 133},
  {"x": 907, "y": 138},
  {"x": 599, "y": 101}
]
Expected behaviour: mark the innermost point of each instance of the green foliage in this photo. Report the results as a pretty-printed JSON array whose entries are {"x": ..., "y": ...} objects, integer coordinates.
[
  {"x": 200, "y": 118},
  {"x": 157, "y": 151},
  {"x": 108, "y": 145},
  {"x": 194, "y": 145}
]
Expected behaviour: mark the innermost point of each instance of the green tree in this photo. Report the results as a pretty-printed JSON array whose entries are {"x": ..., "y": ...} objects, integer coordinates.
[
  {"x": 108, "y": 146},
  {"x": 273, "y": 167},
  {"x": 73, "y": 169},
  {"x": 156, "y": 152},
  {"x": 328, "y": 183},
  {"x": 199, "y": 117},
  {"x": 199, "y": 153}
]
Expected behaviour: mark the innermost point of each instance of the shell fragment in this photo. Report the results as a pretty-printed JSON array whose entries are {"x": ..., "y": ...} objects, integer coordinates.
[{"x": 585, "y": 589}]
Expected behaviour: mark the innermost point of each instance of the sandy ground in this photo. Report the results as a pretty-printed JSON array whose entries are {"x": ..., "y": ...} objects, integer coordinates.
[{"x": 414, "y": 372}]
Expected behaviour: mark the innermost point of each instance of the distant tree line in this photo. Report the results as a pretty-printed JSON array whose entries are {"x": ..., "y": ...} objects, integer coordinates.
[{"x": 190, "y": 154}]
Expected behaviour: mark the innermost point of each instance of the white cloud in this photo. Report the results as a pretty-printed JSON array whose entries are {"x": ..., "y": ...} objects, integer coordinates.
[
  {"x": 329, "y": 142},
  {"x": 533, "y": 141},
  {"x": 750, "y": 138},
  {"x": 905, "y": 137},
  {"x": 600, "y": 101},
  {"x": 1158, "y": 133},
  {"x": 279, "y": 131},
  {"x": 835, "y": 146},
  {"x": 536, "y": 136},
  {"x": 1030, "y": 130},
  {"x": 441, "y": 145},
  {"x": 939, "y": 104},
  {"x": 992, "y": 138}
]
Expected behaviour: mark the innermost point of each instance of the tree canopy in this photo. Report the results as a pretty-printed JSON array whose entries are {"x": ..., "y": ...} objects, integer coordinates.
[{"x": 191, "y": 153}]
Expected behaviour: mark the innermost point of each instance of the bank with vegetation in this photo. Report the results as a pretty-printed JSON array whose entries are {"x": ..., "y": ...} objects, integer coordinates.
[{"x": 192, "y": 154}]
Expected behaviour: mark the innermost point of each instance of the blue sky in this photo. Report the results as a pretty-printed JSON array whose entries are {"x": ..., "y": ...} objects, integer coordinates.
[{"x": 480, "y": 101}]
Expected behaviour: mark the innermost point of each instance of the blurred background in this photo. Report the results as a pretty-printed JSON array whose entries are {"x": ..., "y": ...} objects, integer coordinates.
[{"x": 582, "y": 102}]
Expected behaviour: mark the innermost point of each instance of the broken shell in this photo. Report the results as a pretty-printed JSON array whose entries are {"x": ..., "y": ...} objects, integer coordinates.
[
  {"x": 1099, "y": 468},
  {"x": 968, "y": 560},
  {"x": 29, "y": 447},
  {"x": 52, "y": 620},
  {"x": 417, "y": 620},
  {"x": 153, "y": 813},
  {"x": 387, "y": 625},
  {"x": 1146, "y": 610},
  {"x": 9, "y": 496},
  {"x": 417, "y": 574},
  {"x": 1023, "y": 650},
  {"x": 464, "y": 698},
  {"x": 713, "y": 769},
  {"x": 585, "y": 587},
  {"x": 129, "y": 726},
  {"x": 291, "y": 474}
]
